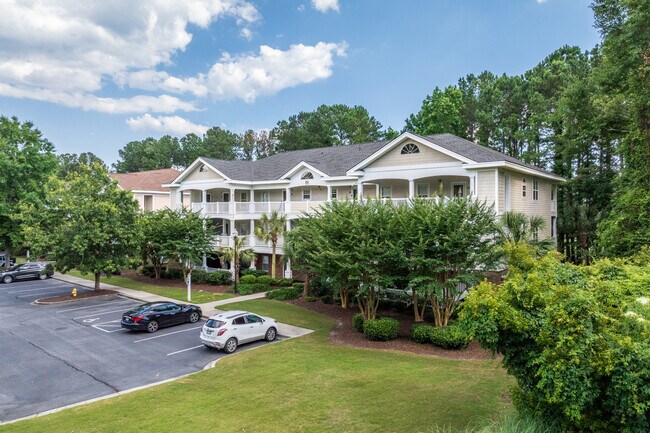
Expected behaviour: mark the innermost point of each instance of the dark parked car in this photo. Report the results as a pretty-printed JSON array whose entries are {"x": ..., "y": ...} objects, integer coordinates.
[
  {"x": 26, "y": 271},
  {"x": 151, "y": 316}
]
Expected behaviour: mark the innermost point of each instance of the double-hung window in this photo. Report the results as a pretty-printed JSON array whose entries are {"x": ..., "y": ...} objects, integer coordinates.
[
  {"x": 386, "y": 191},
  {"x": 535, "y": 189},
  {"x": 306, "y": 194}
]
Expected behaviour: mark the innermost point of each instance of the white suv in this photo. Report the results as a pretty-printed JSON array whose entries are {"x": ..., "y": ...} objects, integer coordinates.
[{"x": 230, "y": 329}]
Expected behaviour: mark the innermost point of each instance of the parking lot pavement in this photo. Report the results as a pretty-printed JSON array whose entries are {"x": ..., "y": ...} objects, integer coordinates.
[{"x": 56, "y": 355}]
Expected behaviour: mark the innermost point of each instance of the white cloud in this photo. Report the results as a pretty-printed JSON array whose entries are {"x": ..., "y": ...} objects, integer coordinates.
[
  {"x": 175, "y": 125},
  {"x": 249, "y": 76},
  {"x": 246, "y": 33},
  {"x": 326, "y": 5},
  {"x": 66, "y": 52},
  {"x": 541, "y": 1},
  {"x": 69, "y": 48}
]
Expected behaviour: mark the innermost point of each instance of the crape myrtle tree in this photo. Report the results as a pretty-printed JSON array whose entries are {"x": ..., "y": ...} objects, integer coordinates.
[
  {"x": 156, "y": 230},
  {"x": 270, "y": 228},
  {"x": 185, "y": 238},
  {"x": 354, "y": 245},
  {"x": 445, "y": 245},
  {"x": 26, "y": 162},
  {"x": 86, "y": 222}
]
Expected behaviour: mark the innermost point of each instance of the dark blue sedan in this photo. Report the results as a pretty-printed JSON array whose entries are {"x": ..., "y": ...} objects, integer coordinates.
[{"x": 154, "y": 315}]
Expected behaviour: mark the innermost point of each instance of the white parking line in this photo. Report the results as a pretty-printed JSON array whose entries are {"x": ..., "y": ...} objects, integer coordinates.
[
  {"x": 58, "y": 292},
  {"x": 45, "y": 288},
  {"x": 170, "y": 333},
  {"x": 184, "y": 350},
  {"x": 126, "y": 301},
  {"x": 109, "y": 324},
  {"x": 100, "y": 313}
]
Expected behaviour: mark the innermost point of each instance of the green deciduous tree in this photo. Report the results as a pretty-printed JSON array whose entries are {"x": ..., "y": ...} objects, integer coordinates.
[
  {"x": 86, "y": 222},
  {"x": 148, "y": 154},
  {"x": 575, "y": 338},
  {"x": 441, "y": 112},
  {"x": 69, "y": 162},
  {"x": 445, "y": 245},
  {"x": 270, "y": 229},
  {"x": 26, "y": 161},
  {"x": 328, "y": 125}
]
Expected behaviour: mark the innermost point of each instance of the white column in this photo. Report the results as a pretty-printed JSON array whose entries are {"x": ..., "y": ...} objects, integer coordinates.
[
  {"x": 288, "y": 273},
  {"x": 232, "y": 201},
  {"x": 251, "y": 200},
  {"x": 496, "y": 192},
  {"x": 411, "y": 188},
  {"x": 329, "y": 193},
  {"x": 360, "y": 191},
  {"x": 204, "y": 198},
  {"x": 287, "y": 204},
  {"x": 472, "y": 186},
  {"x": 252, "y": 237},
  {"x": 205, "y": 262}
]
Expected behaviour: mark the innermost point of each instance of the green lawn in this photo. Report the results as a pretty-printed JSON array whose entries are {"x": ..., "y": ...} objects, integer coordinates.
[
  {"x": 306, "y": 384},
  {"x": 198, "y": 297}
]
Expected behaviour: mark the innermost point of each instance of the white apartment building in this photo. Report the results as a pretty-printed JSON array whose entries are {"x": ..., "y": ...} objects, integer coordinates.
[{"x": 235, "y": 194}]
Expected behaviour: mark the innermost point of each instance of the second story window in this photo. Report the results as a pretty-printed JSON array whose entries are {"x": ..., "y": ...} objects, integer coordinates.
[
  {"x": 306, "y": 194},
  {"x": 535, "y": 189},
  {"x": 523, "y": 187},
  {"x": 243, "y": 196}
]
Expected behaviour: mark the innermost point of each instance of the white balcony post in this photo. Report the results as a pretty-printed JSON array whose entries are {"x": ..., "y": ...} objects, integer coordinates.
[
  {"x": 232, "y": 201},
  {"x": 360, "y": 191},
  {"x": 329, "y": 193},
  {"x": 411, "y": 188},
  {"x": 251, "y": 201},
  {"x": 204, "y": 198},
  {"x": 287, "y": 203},
  {"x": 252, "y": 238}
]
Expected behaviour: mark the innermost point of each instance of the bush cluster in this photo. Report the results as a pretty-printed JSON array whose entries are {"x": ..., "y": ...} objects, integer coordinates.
[
  {"x": 248, "y": 279},
  {"x": 284, "y": 294},
  {"x": 357, "y": 322},
  {"x": 451, "y": 337},
  {"x": 281, "y": 282},
  {"x": 250, "y": 288},
  {"x": 298, "y": 285},
  {"x": 382, "y": 329},
  {"x": 264, "y": 279},
  {"x": 172, "y": 274},
  {"x": 219, "y": 278},
  {"x": 253, "y": 272}
]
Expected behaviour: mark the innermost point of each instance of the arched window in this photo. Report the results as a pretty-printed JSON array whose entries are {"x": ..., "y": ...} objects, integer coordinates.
[
  {"x": 307, "y": 175},
  {"x": 410, "y": 148},
  {"x": 203, "y": 169}
]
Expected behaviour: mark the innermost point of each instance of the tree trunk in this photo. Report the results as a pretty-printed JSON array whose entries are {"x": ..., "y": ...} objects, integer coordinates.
[
  {"x": 344, "y": 295},
  {"x": 273, "y": 260},
  {"x": 7, "y": 256},
  {"x": 97, "y": 278},
  {"x": 156, "y": 268},
  {"x": 416, "y": 311},
  {"x": 305, "y": 290}
]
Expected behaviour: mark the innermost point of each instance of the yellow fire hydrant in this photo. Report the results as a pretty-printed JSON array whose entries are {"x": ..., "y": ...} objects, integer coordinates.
[{"x": 74, "y": 292}]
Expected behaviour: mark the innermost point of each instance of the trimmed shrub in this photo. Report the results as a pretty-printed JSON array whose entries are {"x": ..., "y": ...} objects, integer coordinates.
[
  {"x": 248, "y": 279},
  {"x": 357, "y": 322},
  {"x": 284, "y": 294},
  {"x": 383, "y": 329},
  {"x": 327, "y": 299},
  {"x": 298, "y": 285},
  {"x": 220, "y": 278},
  {"x": 311, "y": 298},
  {"x": 282, "y": 282},
  {"x": 148, "y": 271},
  {"x": 199, "y": 276},
  {"x": 249, "y": 289},
  {"x": 449, "y": 337},
  {"x": 173, "y": 274},
  {"x": 264, "y": 279},
  {"x": 254, "y": 272},
  {"x": 421, "y": 333}
]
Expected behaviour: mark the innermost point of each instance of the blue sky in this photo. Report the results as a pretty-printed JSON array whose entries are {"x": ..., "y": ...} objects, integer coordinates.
[{"x": 95, "y": 75}]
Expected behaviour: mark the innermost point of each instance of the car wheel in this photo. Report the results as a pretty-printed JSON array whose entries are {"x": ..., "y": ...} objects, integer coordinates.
[
  {"x": 230, "y": 346},
  {"x": 271, "y": 333},
  {"x": 194, "y": 317},
  {"x": 7, "y": 279},
  {"x": 152, "y": 326},
  {"x": 42, "y": 276}
]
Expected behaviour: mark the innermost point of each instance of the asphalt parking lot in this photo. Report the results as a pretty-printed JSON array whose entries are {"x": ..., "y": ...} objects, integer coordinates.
[{"x": 56, "y": 355}]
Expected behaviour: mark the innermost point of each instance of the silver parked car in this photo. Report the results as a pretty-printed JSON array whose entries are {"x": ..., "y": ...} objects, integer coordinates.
[{"x": 230, "y": 329}]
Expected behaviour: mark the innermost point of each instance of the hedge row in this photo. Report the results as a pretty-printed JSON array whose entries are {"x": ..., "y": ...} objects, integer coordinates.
[
  {"x": 266, "y": 280},
  {"x": 284, "y": 294}
]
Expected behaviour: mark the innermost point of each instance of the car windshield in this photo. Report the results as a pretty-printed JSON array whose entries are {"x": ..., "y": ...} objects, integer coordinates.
[
  {"x": 140, "y": 309},
  {"x": 214, "y": 323}
]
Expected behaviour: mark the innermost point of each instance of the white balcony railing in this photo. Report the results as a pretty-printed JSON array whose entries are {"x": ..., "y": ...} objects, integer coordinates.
[{"x": 251, "y": 241}]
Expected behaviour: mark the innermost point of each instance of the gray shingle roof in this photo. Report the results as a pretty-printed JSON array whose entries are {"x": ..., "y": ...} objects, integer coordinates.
[{"x": 336, "y": 161}]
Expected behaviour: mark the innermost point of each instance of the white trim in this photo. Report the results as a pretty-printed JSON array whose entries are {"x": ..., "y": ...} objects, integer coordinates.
[
  {"x": 496, "y": 192},
  {"x": 144, "y": 191},
  {"x": 302, "y": 164},
  {"x": 515, "y": 167},
  {"x": 398, "y": 140},
  {"x": 191, "y": 168}
]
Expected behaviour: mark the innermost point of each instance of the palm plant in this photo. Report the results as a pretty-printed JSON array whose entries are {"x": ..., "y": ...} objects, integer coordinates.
[
  {"x": 270, "y": 230},
  {"x": 237, "y": 254},
  {"x": 516, "y": 227}
]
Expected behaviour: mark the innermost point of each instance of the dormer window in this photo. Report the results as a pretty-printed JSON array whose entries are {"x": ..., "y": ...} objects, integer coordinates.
[
  {"x": 203, "y": 169},
  {"x": 410, "y": 148},
  {"x": 307, "y": 175}
]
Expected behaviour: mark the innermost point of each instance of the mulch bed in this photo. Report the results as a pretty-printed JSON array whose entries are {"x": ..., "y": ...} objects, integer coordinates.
[
  {"x": 80, "y": 295},
  {"x": 133, "y": 275},
  {"x": 345, "y": 334}
]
